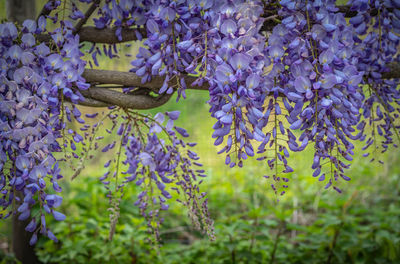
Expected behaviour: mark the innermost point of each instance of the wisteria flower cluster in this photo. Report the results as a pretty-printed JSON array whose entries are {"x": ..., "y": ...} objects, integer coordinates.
[
  {"x": 35, "y": 81},
  {"x": 381, "y": 46},
  {"x": 165, "y": 24},
  {"x": 315, "y": 67},
  {"x": 158, "y": 161},
  {"x": 219, "y": 41}
]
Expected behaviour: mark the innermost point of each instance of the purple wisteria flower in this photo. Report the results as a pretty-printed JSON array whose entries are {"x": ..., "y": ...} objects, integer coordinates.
[
  {"x": 162, "y": 168},
  {"x": 379, "y": 108},
  {"x": 31, "y": 83},
  {"x": 319, "y": 76}
]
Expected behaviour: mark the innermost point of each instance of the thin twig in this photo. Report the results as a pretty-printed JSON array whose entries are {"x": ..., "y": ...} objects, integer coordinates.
[
  {"x": 273, "y": 253},
  {"x": 334, "y": 241},
  {"x": 88, "y": 13},
  {"x": 274, "y": 17},
  {"x": 45, "y": 12}
]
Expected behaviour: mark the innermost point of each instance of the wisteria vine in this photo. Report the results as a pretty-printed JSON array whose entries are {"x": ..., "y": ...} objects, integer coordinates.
[{"x": 282, "y": 76}]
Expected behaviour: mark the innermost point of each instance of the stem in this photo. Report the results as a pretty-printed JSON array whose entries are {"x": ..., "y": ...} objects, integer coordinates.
[
  {"x": 233, "y": 252},
  {"x": 155, "y": 233},
  {"x": 334, "y": 241},
  {"x": 62, "y": 117},
  {"x": 205, "y": 54},
  {"x": 315, "y": 65},
  {"x": 380, "y": 29},
  {"x": 276, "y": 242},
  {"x": 330, "y": 159},
  {"x": 309, "y": 29},
  {"x": 373, "y": 123},
  {"x": 235, "y": 141},
  {"x": 174, "y": 49},
  {"x": 115, "y": 200},
  {"x": 119, "y": 156},
  {"x": 14, "y": 202},
  {"x": 64, "y": 7},
  {"x": 275, "y": 141},
  {"x": 85, "y": 157},
  {"x": 184, "y": 168},
  {"x": 388, "y": 113},
  {"x": 88, "y": 13},
  {"x": 253, "y": 235}
]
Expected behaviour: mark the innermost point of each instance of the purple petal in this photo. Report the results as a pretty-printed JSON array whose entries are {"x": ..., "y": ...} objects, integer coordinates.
[
  {"x": 58, "y": 216},
  {"x": 302, "y": 84},
  {"x": 228, "y": 27},
  {"x": 33, "y": 239},
  {"x": 296, "y": 124},
  {"x": 328, "y": 81},
  {"x": 173, "y": 115},
  {"x": 240, "y": 61}
]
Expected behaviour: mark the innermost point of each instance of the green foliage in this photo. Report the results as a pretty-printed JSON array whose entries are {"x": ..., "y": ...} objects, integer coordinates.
[
  {"x": 8, "y": 259},
  {"x": 362, "y": 235},
  {"x": 85, "y": 235}
]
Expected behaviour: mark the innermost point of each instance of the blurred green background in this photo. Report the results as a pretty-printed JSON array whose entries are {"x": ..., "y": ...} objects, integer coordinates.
[{"x": 308, "y": 225}]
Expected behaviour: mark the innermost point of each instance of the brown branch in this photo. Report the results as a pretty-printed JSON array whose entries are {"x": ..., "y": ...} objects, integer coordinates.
[
  {"x": 93, "y": 103},
  {"x": 130, "y": 79},
  {"x": 126, "y": 79},
  {"x": 88, "y": 13},
  {"x": 45, "y": 12},
  {"x": 105, "y": 35},
  {"x": 394, "y": 72},
  {"x": 112, "y": 97},
  {"x": 350, "y": 13},
  {"x": 140, "y": 99}
]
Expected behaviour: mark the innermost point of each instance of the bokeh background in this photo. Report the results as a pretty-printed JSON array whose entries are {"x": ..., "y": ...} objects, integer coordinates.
[{"x": 308, "y": 225}]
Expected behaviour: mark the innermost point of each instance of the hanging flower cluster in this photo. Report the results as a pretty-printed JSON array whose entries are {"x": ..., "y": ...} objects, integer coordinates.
[
  {"x": 159, "y": 162},
  {"x": 35, "y": 81},
  {"x": 376, "y": 50}
]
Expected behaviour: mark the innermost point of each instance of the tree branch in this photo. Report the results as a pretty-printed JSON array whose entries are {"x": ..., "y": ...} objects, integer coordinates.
[
  {"x": 140, "y": 99},
  {"x": 88, "y": 13},
  {"x": 105, "y": 35},
  {"x": 130, "y": 79},
  {"x": 111, "y": 97},
  {"x": 93, "y": 103},
  {"x": 44, "y": 12},
  {"x": 19, "y": 10},
  {"x": 394, "y": 72},
  {"x": 350, "y": 13}
]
